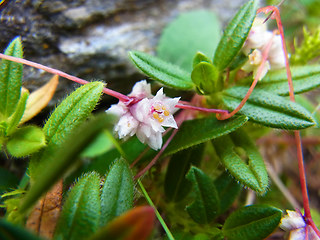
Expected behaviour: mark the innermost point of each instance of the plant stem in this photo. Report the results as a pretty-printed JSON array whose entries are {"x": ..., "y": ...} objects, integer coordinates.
[
  {"x": 162, "y": 222},
  {"x": 110, "y": 92},
  {"x": 302, "y": 175},
  {"x": 254, "y": 83},
  {"x": 208, "y": 110}
]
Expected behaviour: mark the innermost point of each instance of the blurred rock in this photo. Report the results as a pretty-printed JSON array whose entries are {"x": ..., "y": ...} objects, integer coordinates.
[{"x": 91, "y": 38}]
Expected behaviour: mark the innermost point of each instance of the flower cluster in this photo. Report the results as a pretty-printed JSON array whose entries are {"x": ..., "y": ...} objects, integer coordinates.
[
  {"x": 146, "y": 116},
  {"x": 295, "y": 223},
  {"x": 254, "y": 46}
]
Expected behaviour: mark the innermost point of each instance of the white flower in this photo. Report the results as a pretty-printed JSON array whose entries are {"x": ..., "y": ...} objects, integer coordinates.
[
  {"x": 295, "y": 223},
  {"x": 146, "y": 117},
  {"x": 257, "y": 40}
]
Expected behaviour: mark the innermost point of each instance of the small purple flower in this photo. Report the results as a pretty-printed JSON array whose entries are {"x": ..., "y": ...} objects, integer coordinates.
[{"x": 146, "y": 117}]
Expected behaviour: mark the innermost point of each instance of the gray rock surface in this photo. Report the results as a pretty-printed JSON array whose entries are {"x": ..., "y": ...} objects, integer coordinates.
[{"x": 91, "y": 38}]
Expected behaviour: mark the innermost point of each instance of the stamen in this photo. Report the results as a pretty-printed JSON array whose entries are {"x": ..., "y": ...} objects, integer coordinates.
[
  {"x": 166, "y": 113},
  {"x": 156, "y": 116},
  {"x": 157, "y": 107}
]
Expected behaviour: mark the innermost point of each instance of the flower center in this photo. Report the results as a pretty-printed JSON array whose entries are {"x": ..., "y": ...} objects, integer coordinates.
[{"x": 159, "y": 112}]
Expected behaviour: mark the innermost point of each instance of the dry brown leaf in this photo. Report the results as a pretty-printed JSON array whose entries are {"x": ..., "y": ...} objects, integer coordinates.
[
  {"x": 39, "y": 99},
  {"x": 44, "y": 216}
]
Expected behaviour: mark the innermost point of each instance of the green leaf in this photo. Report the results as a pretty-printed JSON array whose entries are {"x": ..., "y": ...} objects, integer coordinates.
[
  {"x": 25, "y": 141},
  {"x": 10, "y": 79},
  {"x": 228, "y": 189},
  {"x": 206, "y": 76},
  {"x": 67, "y": 116},
  {"x": 305, "y": 78},
  {"x": 176, "y": 186},
  {"x": 191, "y": 32},
  {"x": 66, "y": 158},
  {"x": 250, "y": 171},
  {"x": 81, "y": 212},
  {"x": 252, "y": 222},
  {"x": 7, "y": 180},
  {"x": 206, "y": 204},
  {"x": 268, "y": 109},
  {"x": 99, "y": 146},
  {"x": 17, "y": 115},
  {"x": 200, "y": 57},
  {"x": 117, "y": 192},
  {"x": 235, "y": 35},
  {"x": 164, "y": 72},
  {"x": 9, "y": 231},
  {"x": 197, "y": 131}
]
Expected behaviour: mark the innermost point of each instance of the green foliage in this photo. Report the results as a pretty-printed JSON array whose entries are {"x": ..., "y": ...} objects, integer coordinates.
[
  {"x": 9, "y": 231},
  {"x": 117, "y": 192},
  {"x": 252, "y": 222},
  {"x": 227, "y": 189},
  {"x": 205, "y": 76},
  {"x": 308, "y": 49},
  {"x": 198, "y": 131},
  {"x": 268, "y": 109},
  {"x": 17, "y": 115},
  {"x": 67, "y": 116},
  {"x": 206, "y": 205},
  {"x": 305, "y": 78},
  {"x": 99, "y": 146},
  {"x": 250, "y": 171},
  {"x": 66, "y": 158},
  {"x": 10, "y": 79},
  {"x": 25, "y": 141},
  {"x": 234, "y": 35},
  {"x": 191, "y": 32},
  {"x": 81, "y": 211},
  {"x": 164, "y": 72},
  {"x": 176, "y": 186}
]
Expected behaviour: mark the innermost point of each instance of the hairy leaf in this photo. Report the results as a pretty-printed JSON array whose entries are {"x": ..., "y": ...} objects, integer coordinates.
[
  {"x": 269, "y": 109},
  {"x": 197, "y": 131},
  {"x": 206, "y": 205},
  {"x": 66, "y": 117},
  {"x": 305, "y": 78},
  {"x": 10, "y": 79},
  {"x": 66, "y": 158},
  {"x": 80, "y": 214},
  {"x": 235, "y": 35},
  {"x": 117, "y": 192},
  {"x": 176, "y": 186},
  {"x": 250, "y": 171},
  {"x": 18, "y": 113},
  {"x": 164, "y": 72},
  {"x": 25, "y": 141},
  {"x": 191, "y": 32},
  {"x": 252, "y": 222}
]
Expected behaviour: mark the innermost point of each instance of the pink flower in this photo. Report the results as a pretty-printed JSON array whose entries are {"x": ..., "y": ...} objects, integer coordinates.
[
  {"x": 146, "y": 117},
  {"x": 295, "y": 223}
]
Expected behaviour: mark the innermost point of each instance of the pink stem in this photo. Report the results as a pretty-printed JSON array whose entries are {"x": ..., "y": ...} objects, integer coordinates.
[
  {"x": 154, "y": 160},
  {"x": 256, "y": 79},
  {"x": 110, "y": 92},
  {"x": 302, "y": 175},
  {"x": 189, "y": 107}
]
